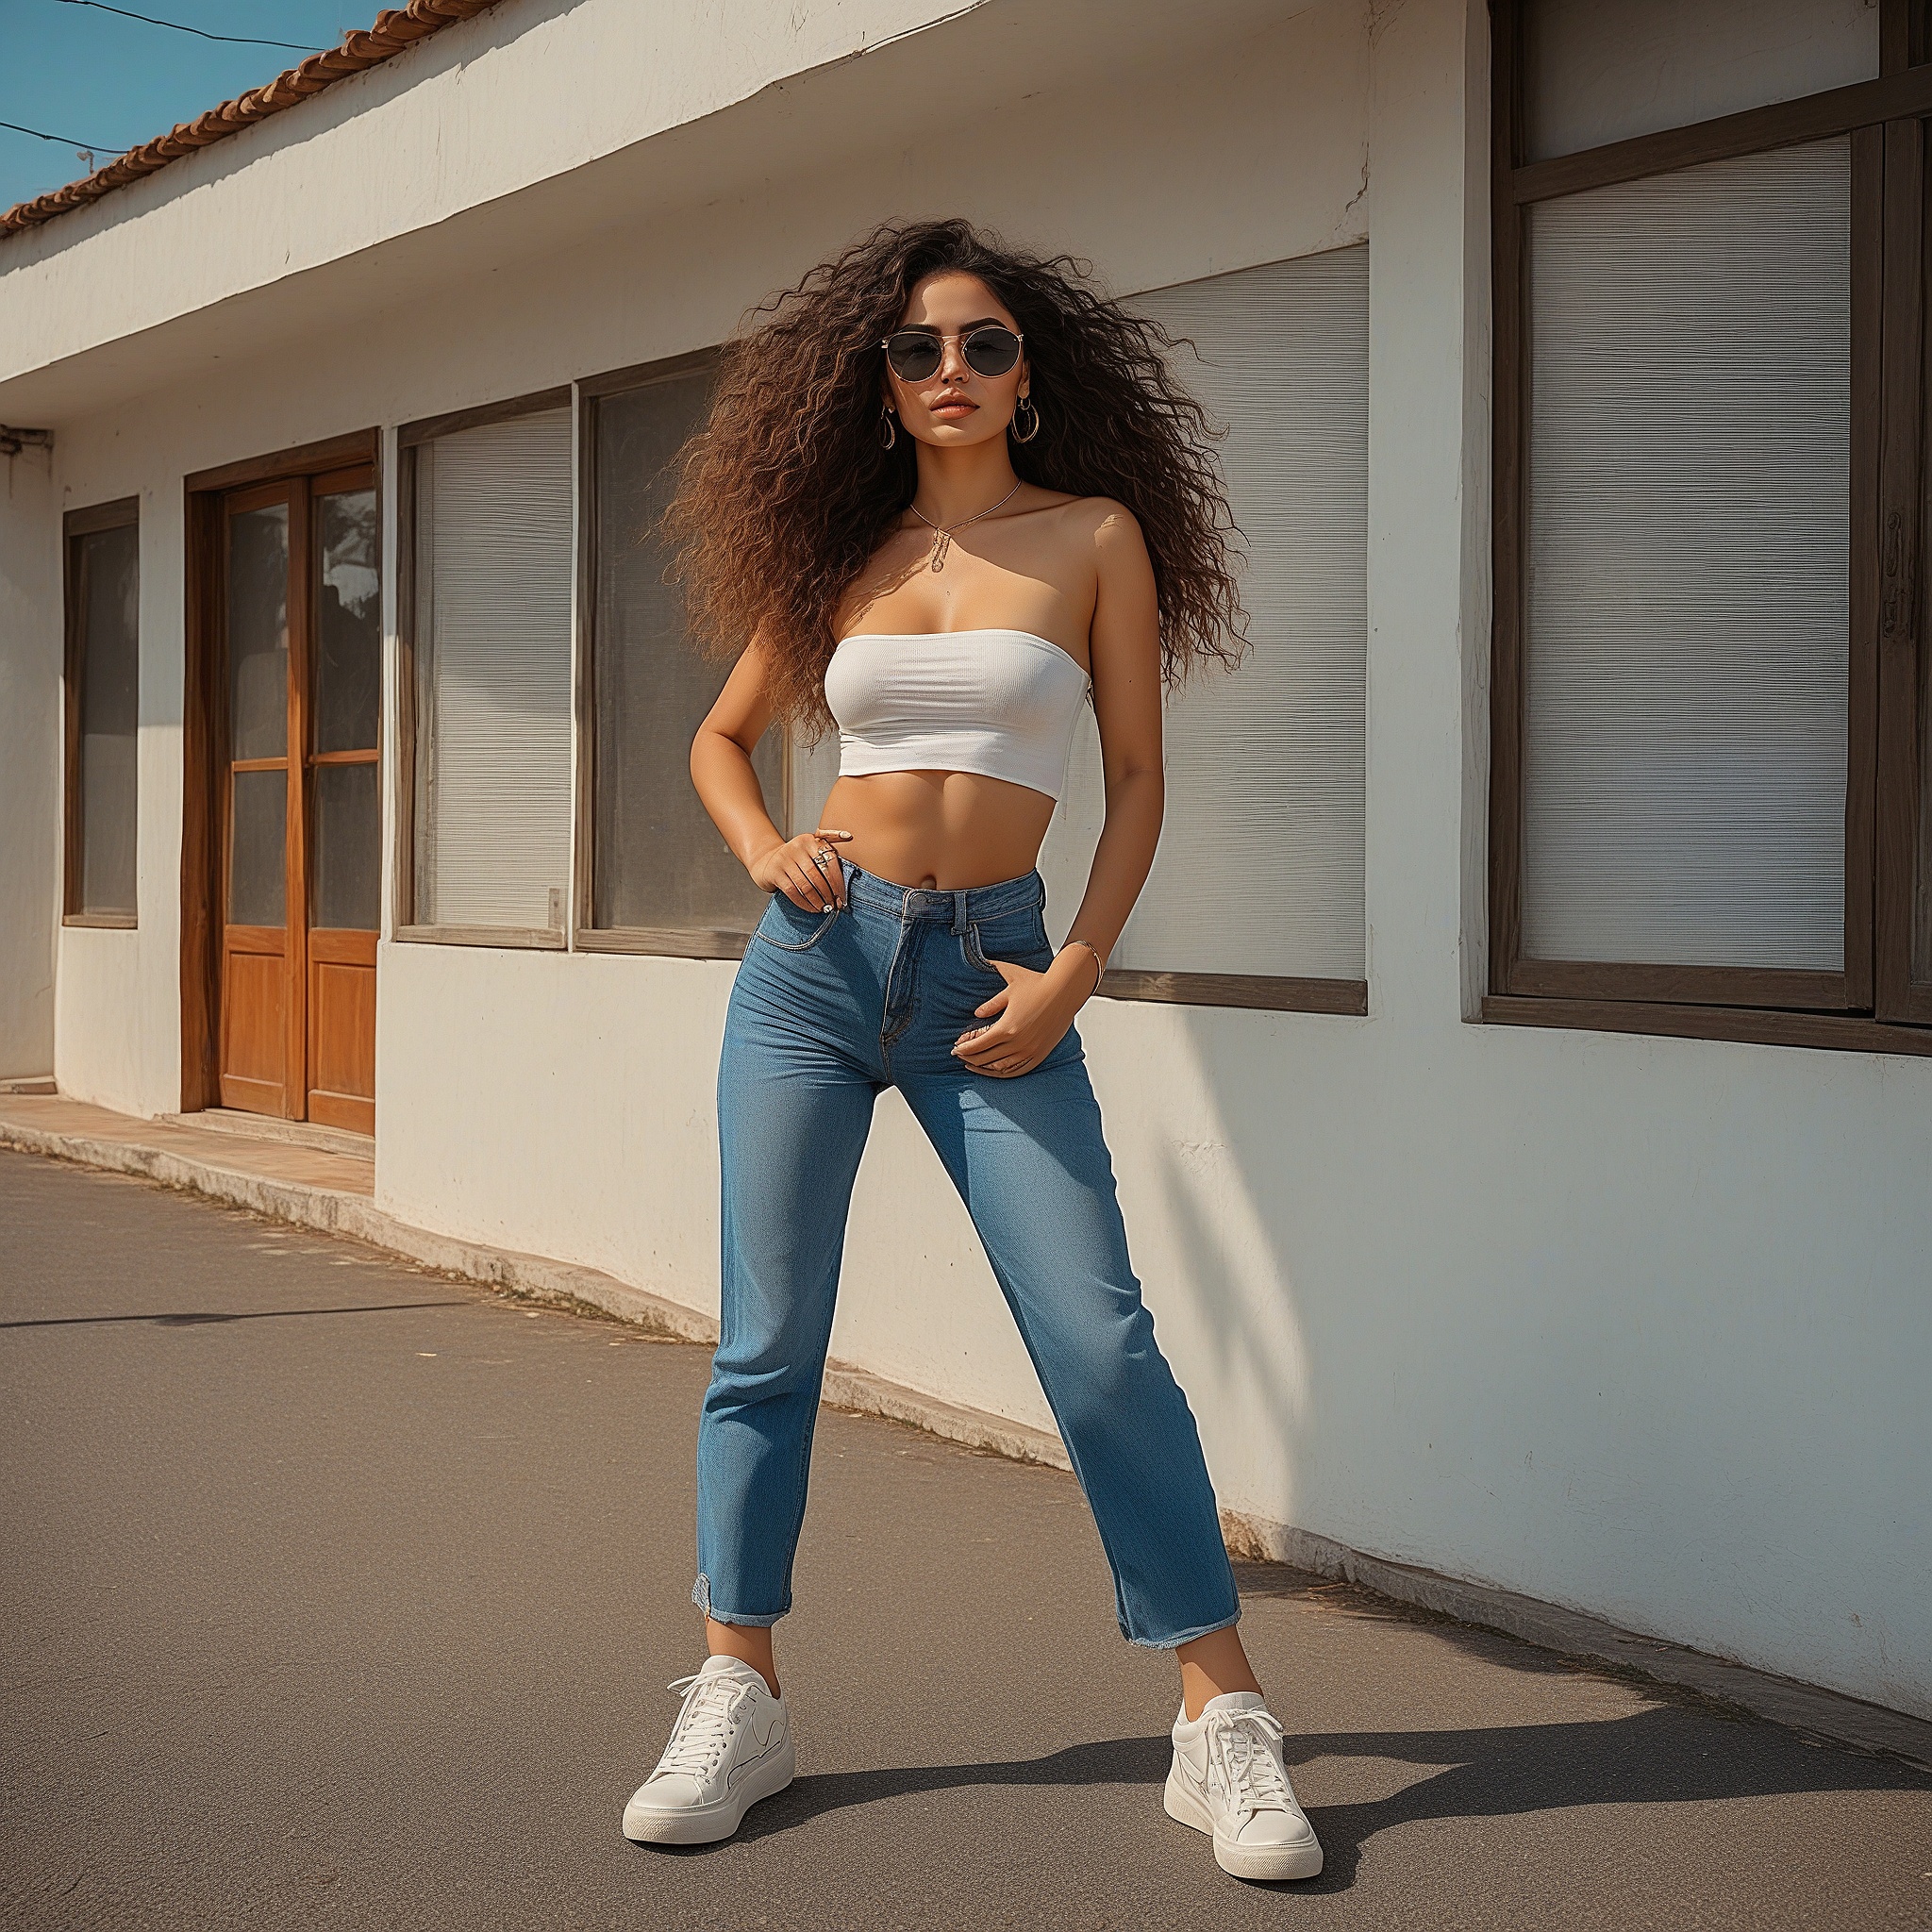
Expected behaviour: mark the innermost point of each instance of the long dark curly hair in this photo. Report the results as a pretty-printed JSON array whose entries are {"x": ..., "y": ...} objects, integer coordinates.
[{"x": 786, "y": 492}]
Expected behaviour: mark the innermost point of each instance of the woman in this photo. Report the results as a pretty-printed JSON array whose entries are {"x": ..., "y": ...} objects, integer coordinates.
[{"x": 947, "y": 492}]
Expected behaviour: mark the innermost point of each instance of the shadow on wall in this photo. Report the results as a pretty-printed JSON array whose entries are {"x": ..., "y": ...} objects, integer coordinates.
[
  {"x": 1242, "y": 1249},
  {"x": 1240, "y": 1288}
]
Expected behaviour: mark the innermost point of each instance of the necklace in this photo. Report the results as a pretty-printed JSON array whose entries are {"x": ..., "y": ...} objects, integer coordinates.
[{"x": 942, "y": 538}]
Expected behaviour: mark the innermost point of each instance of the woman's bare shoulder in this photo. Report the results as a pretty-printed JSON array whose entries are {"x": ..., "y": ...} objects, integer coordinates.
[
  {"x": 1099, "y": 519},
  {"x": 1068, "y": 507}
]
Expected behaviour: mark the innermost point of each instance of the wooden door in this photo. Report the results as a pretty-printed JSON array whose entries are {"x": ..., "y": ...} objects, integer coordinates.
[
  {"x": 300, "y": 807},
  {"x": 264, "y": 533},
  {"x": 343, "y": 848}
]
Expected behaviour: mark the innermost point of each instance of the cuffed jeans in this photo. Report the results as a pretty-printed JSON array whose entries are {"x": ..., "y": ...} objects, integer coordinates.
[{"x": 828, "y": 1010}]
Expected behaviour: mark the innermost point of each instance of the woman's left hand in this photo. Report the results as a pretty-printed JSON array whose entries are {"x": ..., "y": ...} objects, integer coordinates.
[{"x": 1027, "y": 1018}]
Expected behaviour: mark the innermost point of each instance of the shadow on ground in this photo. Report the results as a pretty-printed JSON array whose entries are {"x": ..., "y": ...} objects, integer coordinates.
[
  {"x": 197, "y": 1318},
  {"x": 1661, "y": 1756}
]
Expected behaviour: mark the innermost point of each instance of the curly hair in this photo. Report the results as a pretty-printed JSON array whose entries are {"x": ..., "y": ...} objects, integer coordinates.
[{"x": 787, "y": 491}]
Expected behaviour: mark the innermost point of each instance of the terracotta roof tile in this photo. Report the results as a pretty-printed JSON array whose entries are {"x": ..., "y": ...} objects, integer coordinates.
[{"x": 396, "y": 30}]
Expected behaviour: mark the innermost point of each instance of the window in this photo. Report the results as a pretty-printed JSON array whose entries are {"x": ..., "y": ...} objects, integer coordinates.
[
  {"x": 488, "y": 677},
  {"x": 654, "y": 875},
  {"x": 1708, "y": 809},
  {"x": 103, "y": 712},
  {"x": 1686, "y": 601},
  {"x": 1256, "y": 895}
]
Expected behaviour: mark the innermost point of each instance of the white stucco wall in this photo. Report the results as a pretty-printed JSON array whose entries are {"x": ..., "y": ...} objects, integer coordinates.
[
  {"x": 30, "y": 728},
  {"x": 117, "y": 1011},
  {"x": 1633, "y": 1324},
  {"x": 524, "y": 131}
]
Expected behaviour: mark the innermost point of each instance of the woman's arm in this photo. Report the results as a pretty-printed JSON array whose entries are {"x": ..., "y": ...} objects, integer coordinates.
[
  {"x": 727, "y": 784},
  {"x": 1032, "y": 1013},
  {"x": 1126, "y": 645}
]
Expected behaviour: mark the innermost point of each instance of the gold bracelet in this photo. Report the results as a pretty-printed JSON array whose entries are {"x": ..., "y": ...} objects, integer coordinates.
[{"x": 1099, "y": 964}]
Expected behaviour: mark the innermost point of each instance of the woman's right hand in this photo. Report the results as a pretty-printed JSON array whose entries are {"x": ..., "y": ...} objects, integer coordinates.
[{"x": 806, "y": 869}]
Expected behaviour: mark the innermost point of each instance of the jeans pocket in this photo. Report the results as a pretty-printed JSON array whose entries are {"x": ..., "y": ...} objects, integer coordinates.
[
  {"x": 790, "y": 927},
  {"x": 1017, "y": 939}
]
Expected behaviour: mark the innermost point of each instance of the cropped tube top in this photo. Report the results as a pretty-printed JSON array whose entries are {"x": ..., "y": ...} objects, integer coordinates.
[{"x": 1002, "y": 703}]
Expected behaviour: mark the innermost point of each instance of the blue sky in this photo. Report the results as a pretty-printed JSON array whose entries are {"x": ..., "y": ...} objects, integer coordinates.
[{"x": 89, "y": 76}]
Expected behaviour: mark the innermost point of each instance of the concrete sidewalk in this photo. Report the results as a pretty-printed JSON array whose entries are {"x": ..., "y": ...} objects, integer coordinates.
[
  {"x": 339, "y": 1594},
  {"x": 323, "y": 1180},
  {"x": 52, "y": 1123}
]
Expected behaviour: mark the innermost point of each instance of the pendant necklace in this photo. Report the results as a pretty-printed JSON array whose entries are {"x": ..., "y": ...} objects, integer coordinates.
[{"x": 942, "y": 538}]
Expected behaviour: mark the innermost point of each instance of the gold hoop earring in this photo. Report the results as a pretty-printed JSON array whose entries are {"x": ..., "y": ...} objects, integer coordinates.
[
  {"x": 892, "y": 435},
  {"x": 1032, "y": 428}
]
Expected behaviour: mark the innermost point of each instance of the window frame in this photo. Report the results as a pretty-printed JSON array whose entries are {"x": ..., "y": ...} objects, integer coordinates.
[
  {"x": 1256, "y": 991},
  {"x": 410, "y": 437},
  {"x": 1276, "y": 992},
  {"x": 668, "y": 942},
  {"x": 124, "y": 513},
  {"x": 1858, "y": 1008}
]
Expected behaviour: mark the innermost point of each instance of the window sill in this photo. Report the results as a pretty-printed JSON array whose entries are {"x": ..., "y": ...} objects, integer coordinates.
[
  {"x": 1257, "y": 991},
  {"x": 665, "y": 943},
  {"x": 523, "y": 939},
  {"x": 1840, "y": 1032},
  {"x": 1262, "y": 991},
  {"x": 105, "y": 922}
]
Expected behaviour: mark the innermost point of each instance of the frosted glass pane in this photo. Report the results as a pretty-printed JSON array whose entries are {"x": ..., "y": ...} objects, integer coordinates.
[
  {"x": 1259, "y": 868},
  {"x": 257, "y": 833},
  {"x": 349, "y": 623},
  {"x": 257, "y": 615},
  {"x": 659, "y": 861},
  {"x": 1688, "y": 543},
  {"x": 107, "y": 583},
  {"x": 346, "y": 861},
  {"x": 814, "y": 771},
  {"x": 1598, "y": 71},
  {"x": 1921, "y": 893},
  {"x": 493, "y": 762}
]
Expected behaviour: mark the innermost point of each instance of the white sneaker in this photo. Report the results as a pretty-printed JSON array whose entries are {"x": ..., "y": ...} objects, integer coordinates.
[
  {"x": 731, "y": 1746},
  {"x": 1228, "y": 1780}
]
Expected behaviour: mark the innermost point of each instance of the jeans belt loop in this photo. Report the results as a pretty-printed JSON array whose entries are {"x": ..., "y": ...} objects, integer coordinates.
[{"x": 959, "y": 920}]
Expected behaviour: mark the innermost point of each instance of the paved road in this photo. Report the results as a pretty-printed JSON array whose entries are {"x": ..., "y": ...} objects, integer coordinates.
[{"x": 336, "y": 1595}]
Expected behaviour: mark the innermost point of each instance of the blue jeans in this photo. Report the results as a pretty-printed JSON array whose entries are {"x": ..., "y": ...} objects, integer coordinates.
[{"x": 828, "y": 1010}]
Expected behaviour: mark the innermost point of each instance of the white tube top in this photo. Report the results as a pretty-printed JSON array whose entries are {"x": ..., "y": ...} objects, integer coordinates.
[{"x": 998, "y": 701}]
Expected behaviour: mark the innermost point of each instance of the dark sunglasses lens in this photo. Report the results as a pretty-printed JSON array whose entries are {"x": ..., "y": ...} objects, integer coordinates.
[
  {"x": 913, "y": 357},
  {"x": 993, "y": 351}
]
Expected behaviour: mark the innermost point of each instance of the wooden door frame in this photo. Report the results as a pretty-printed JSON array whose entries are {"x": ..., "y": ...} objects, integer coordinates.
[
  {"x": 204, "y": 741},
  {"x": 325, "y": 945}
]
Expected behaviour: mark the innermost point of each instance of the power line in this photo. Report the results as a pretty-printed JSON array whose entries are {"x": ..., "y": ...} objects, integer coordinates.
[
  {"x": 91, "y": 146},
  {"x": 234, "y": 40}
]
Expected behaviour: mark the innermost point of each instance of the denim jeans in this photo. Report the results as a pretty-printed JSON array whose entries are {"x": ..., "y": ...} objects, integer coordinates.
[{"x": 828, "y": 1010}]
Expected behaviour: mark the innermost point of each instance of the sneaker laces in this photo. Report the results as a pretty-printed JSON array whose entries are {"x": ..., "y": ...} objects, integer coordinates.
[
  {"x": 1243, "y": 1744},
  {"x": 704, "y": 1724}
]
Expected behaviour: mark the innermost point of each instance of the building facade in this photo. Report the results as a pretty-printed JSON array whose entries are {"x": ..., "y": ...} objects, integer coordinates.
[{"x": 1517, "y": 1071}]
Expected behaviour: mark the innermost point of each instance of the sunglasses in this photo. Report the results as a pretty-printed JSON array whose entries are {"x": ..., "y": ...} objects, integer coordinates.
[{"x": 915, "y": 354}]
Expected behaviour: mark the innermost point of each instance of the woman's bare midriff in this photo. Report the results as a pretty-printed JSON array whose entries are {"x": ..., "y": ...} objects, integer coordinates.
[{"x": 944, "y": 829}]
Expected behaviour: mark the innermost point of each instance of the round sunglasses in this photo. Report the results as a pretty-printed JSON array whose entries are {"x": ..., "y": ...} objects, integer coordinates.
[{"x": 915, "y": 354}]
